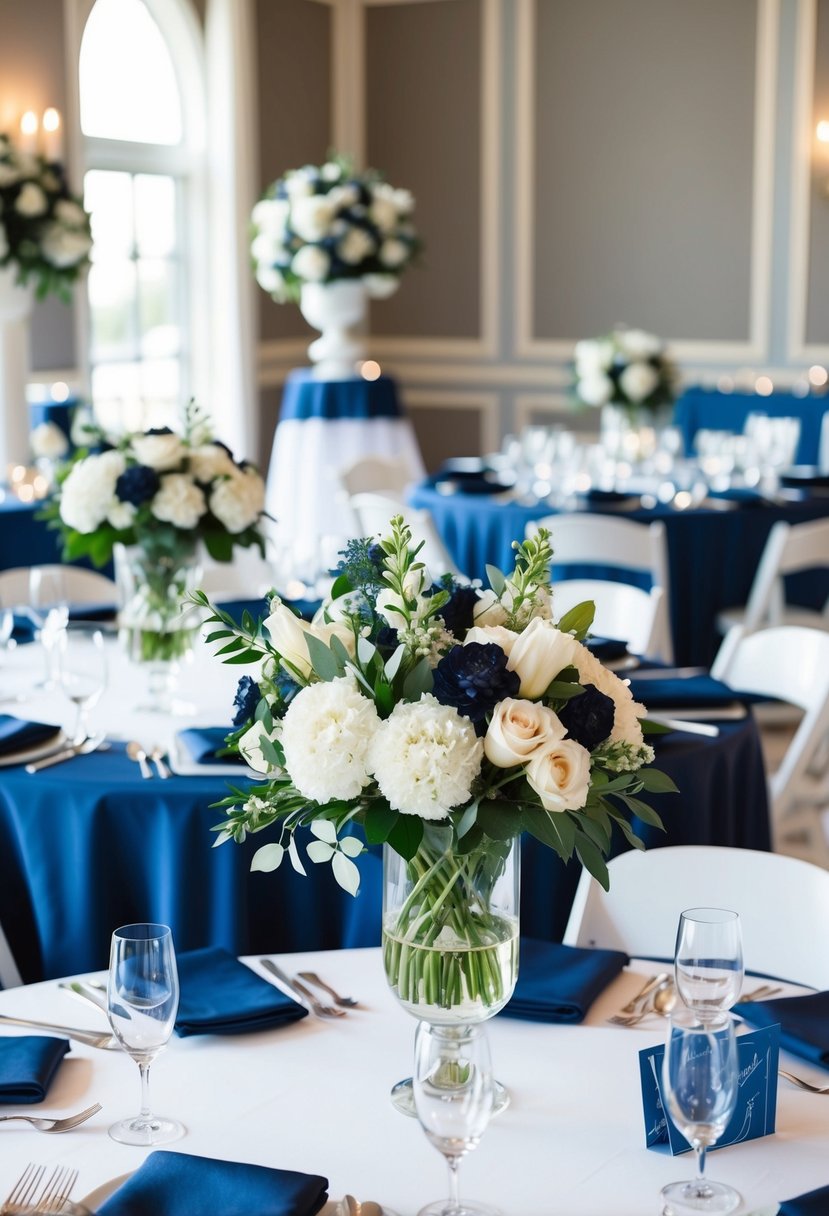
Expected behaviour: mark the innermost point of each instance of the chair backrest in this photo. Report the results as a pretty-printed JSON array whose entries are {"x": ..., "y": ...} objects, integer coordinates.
[
  {"x": 781, "y": 901},
  {"x": 790, "y": 548},
  {"x": 81, "y": 586},
  {"x": 248, "y": 576},
  {"x": 823, "y": 450},
  {"x": 585, "y": 539},
  {"x": 373, "y": 512},
  {"x": 624, "y": 612},
  {"x": 10, "y": 976},
  {"x": 787, "y": 663},
  {"x": 376, "y": 474}
]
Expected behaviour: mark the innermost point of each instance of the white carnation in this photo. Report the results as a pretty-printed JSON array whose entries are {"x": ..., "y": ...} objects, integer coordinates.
[
  {"x": 311, "y": 264},
  {"x": 31, "y": 200},
  {"x": 425, "y": 757},
  {"x": 238, "y": 501},
  {"x": 627, "y": 712},
  {"x": 88, "y": 494},
  {"x": 209, "y": 461},
  {"x": 48, "y": 442},
  {"x": 160, "y": 452},
  {"x": 179, "y": 502},
  {"x": 326, "y": 737},
  {"x": 638, "y": 381},
  {"x": 355, "y": 245},
  {"x": 64, "y": 247}
]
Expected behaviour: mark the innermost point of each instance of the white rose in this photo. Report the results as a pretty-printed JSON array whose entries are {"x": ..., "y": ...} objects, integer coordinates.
[
  {"x": 31, "y": 200},
  {"x": 596, "y": 389},
  {"x": 637, "y": 343},
  {"x": 179, "y": 501},
  {"x": 311, "y": 264},
  {"x": 64, "y": 247},
  {"x": 383, "y": 213},
  {"x": 388, "y": 602},
  {"x": 539, "y": 654},
  {"x": 288, "y": 633},
  {"x": 270, "y": 215},
  {"x": 4, "y": 243},
  {"x": 593, "y": 355},
  {"x": 70, "y": 213},
  {"x": 518, "y": 729},
  {"x": 355, "y": 245},
  {"x": 89, "y": 491},
  {"x": 638, "y": 381},
  {"x": 210, "y": 460},
  {"x": 48, "y": 442},
  {"x": 327, "y": 733},
  {"x": 380, "y": 286},
  {"x": 160, "y": 452},
  {"x": 489, "y": 610},
  {"x": 488, "y": 634},
  {"x": 311, "y": 217},
  {"x": 393, "y": 252},
  {"x": 560, "y": 775},
  {"x": 239, "y": 500}
]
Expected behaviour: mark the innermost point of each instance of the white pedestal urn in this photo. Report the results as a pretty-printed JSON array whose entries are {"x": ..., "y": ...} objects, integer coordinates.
[
  {"x": 15, "y": 310},
  {"x": 335, "y": 309}
]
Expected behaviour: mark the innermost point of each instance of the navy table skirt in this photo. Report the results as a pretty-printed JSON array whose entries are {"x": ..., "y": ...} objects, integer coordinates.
[
  {"x": 712, "y": 554},
  {"x": 88, "y": 846}
]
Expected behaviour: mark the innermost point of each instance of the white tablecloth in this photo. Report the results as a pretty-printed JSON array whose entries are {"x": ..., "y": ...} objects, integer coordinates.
[{"x": 314, "y": 1097}]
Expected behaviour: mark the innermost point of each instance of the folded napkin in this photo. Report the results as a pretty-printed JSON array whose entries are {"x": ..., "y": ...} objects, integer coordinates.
[
  {"x": 28, "y": 1064},
  {"x": 692, "y": 692},
  {"x": 203, "y": 744},
  {"x": 559, "y": 983},
  {"x": 176, "y": 1184},
  {"x": 16, "y": 735},
  {"x": 607, "y": 649},
  {"x": 804, "y": 1023},
  {"x": 219, "y": 995},
  {"x": 813, "y": 1203}
]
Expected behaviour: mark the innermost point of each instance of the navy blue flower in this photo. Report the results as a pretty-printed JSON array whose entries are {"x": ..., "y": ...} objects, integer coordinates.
[
  {"x": 247, "y": 698},
  {"x": 138, "y": 483},
  {"x": 159, "y": 430},
  {"x": 458, "y": 611},
  {"x": 474, "y": 679},
  {"x": 588, "y": 717}
]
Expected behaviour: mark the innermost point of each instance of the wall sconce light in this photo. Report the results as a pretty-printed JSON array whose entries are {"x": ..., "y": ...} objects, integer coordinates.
[
  {"x": 48, "y": 128},
  {"x": 822, "y": 153}
]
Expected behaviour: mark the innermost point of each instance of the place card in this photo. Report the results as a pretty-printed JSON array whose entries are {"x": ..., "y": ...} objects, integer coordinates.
[{"x": 756, "y": 1100}]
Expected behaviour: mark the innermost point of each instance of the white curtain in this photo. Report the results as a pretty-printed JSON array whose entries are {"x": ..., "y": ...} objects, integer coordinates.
[{"x": 232, "y": 191}]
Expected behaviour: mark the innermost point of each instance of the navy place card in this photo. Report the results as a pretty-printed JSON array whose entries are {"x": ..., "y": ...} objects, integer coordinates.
[{"x": 756, "y": 1100}]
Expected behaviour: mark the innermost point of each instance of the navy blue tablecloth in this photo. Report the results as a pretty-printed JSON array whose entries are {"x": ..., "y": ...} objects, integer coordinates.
[
  {"x": 712, "y": 554},
  {"x": 88, "y": 845},
  {"x": 709, "y": 409},
  {"x": 307, "y": 397}
]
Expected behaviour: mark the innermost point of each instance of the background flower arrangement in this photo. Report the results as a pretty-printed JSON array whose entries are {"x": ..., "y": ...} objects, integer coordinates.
[
  {"x": 44, "y": 231},
  {"x": 627, "y": 367},
  {"x": 328, "y": 223}
]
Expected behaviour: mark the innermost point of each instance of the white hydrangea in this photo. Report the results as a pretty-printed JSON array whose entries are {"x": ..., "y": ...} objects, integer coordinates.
[
  {"x": 209, "y": 461},
  {"x": 64, "y": 247},
  {"x": 179, "y": 501},
  {"x": 48, "y": 442},
  {"x": 238, "y": 501},
  {"x": 425, "y": 757},
  {"x": 326, "y": 737},
  {"x": 31, "y": 200},
  {"x": 88, "y": 494}
]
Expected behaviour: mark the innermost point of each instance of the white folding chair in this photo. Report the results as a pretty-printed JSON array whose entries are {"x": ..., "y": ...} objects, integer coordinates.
[
  {"x": 823, "y": 450},
  {"x": 10, "y": 976},
  {"x": 790, "y": 548},
  {"x": 248, "y": 576},
  {"x": 789, "y": 663},
  {"x": 780, "y": 900},
  {"x": 624, "y": 612},
  {"x": 81, "y": 586},
  {"x": 376, "y": 474},
  {"x": 604, "y": 540},
  {"x": 373, "y": 512}
]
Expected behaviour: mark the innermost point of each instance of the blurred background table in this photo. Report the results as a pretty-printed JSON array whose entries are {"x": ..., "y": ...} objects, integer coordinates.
[{"x": 703, "y": 408}]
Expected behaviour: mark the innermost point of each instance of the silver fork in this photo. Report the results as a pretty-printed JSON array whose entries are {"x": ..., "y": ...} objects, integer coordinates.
[
  {"x": 44, "y": 1124},
  {"x": 28, "y": 1196},
  {"x": 312, "y": 978},
  {"x": 92, "y": 1038},
  {"x": 801, "y": 1084},
  {"x": 300, "y": 992}
]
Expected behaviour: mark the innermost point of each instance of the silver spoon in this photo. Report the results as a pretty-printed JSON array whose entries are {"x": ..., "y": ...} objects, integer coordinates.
[
  {"x": 312, "y": 978},
  {"x": 136, "y": 752},
  {"x": 56, "y": 1125},
  {"x": 157, "y": 757}
]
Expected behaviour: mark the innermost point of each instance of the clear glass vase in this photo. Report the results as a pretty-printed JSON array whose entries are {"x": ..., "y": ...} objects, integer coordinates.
[
  {"x": 450, "y": 933},
  {"x": 156, "y": 624}
]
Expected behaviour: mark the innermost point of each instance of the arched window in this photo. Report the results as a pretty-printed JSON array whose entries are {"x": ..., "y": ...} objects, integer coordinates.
[{"x": 141, "y": 103}]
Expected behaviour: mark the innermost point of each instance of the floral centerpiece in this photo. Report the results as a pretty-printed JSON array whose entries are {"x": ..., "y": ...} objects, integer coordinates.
[
  {"x": 45, "y": 233},
  {"x": 628, "y": 368},
  {"x": 150, "y": 499},
  {"x": 442, "y": 721}
]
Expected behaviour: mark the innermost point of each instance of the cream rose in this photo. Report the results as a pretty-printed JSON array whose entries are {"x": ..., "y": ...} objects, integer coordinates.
[
  {"x": 518, "y": 730},
  {"x": 539, "y": 654},
  {"x": 489, "y": 610},
  {"x": 560, "y": 775},
  {"x": 160, "y": 451},
  {"x": 288, "y": 634},
  {"x": 488, "y": 634}
]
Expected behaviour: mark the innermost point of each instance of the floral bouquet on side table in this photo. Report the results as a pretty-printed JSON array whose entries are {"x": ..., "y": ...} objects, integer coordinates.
[
  {"x": 628, "y": 368},
  {"x": 443, "y": 721}
]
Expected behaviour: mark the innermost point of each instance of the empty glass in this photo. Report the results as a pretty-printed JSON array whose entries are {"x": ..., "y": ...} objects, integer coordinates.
[
  {"x": 142, "y": 1003},
  {"x": 49, "y": 612},
  {"x": 453, "y": 1093},
  {"x": 82, "y": 670},
  {"x": 709, "y": 960},
  {"x": 699, "y": 1085}
]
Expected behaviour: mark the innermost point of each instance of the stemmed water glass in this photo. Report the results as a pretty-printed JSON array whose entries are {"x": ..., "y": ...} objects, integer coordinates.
[
  {"x": 699, "y": 1085},
  {"x": 49, "y": 612},
  {"x": 453, "y": 1094},
  {"x": 142, "y": 1003},
  {"x": 709, "y": 960},
  {"x": 82, "y": 670}
]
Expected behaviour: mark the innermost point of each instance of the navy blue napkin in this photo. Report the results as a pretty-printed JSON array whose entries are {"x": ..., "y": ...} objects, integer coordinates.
[
  {"x": 28, "y": 1064},
  {"x": 804, "y": 1023},
  {"x": 203, "y": 744},
  {"x": 559, "y": 983},
  {"x": 692, "y": 692},
  {"x": 606, "y": 649},
  {"x": 16, "y": 734},
  {"x": 177, "y": 1184},
  {"x": 813, "y": 1203},
  {"x": 220, "y": 995}
]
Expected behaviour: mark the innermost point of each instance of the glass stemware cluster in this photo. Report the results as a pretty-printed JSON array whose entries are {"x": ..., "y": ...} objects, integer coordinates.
[{"x": 700, "y": 1067}]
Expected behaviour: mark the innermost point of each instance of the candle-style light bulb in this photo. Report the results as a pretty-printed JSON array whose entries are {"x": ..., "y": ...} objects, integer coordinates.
[
  {"x": 52, "y": 148},
  {"x": 28, "y": 131}
]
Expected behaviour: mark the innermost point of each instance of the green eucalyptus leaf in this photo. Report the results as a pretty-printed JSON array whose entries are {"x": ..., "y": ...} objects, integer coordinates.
[
  {"x": 323, "y": 661},
  {"x": 418, "y": 681},
  {"x": 592, "y": 860},
  {"x": 497, "y": 581},
  {"x": 406, "y": 835},
  {"x": 656, "y": 782},
  {"x": 578, "y": 620}
]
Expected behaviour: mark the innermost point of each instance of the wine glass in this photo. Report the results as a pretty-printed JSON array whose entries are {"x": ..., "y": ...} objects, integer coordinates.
[
  {"x": 49, "y": 612},
  {"x": 709, "y": 960},
  {"x": 453, "y": 1093},
  {"x": 142, "y": 1002},
  {"x": 82, "y": 669},
  {"x": 699, "y": 1084}
]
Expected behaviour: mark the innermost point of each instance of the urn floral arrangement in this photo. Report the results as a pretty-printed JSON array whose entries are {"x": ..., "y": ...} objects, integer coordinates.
[
  {"x": 149, "y": 500},
  {"x": 441, "y": 721},
  {"x": 627, "y": 368}
]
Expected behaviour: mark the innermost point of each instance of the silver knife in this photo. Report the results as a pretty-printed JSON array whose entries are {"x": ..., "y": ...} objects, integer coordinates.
[
  {"x": 295, "y": 988},
  {"x": 68, "y": 753},
  {"x": 92, "y": 1038},
  {"x": 85, "y": 992}
]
